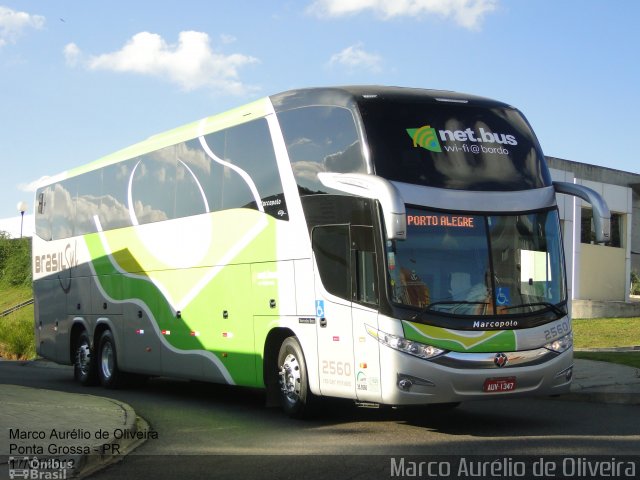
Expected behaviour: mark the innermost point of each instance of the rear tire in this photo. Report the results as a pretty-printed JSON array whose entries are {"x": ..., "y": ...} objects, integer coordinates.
[
  {"x": 295, "y": 396},
  {"x": 85, "y": 369},
  {"x": 107, "y": 362}
]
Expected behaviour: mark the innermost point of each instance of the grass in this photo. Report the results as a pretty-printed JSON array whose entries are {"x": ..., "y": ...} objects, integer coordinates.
[
  {"x": 17, "y": 340},
  {"x": 606, "y": 332},
  {"x": 10, "y": 296},
  {"x": 631, "y": 359}
]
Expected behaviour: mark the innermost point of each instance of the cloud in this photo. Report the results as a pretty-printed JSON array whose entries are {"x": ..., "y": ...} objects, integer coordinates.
[
  {"x": 72, "y": 54},
  {"x": 227, "y": 39},
  {"x": 13, "y": 23},
  {"x": 192, "y": 64},
  {"x": 466, "y": 13},
  {"x": 356, "y": 58}
]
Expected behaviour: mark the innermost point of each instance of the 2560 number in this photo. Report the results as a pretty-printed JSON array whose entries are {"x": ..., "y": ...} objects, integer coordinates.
[
  {"x": 331, "y": 367},
  {"x": 557, "y": 331}
]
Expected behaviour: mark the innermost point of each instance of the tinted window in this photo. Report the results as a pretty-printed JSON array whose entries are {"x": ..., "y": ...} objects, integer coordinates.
[
  {"x": 114, "y": 211},
  {"x": 43, "y": 213},
  {"x": 453, "y": 146},
  {"x": 153, "y": 186},
  {"x": 190, "y": 196},
  {"x": 197, "y": 171},
  {"x": 87, "y": 201},
  {"x": 364, "y": 264},
  {"x": 237, "y": 169},
  {"x": 321, "y": 139},
  {"x": 337, "y": 209},
  {"x": 62, "y": 209},
  {"x": 332, "y": 252},
  {"x": 249, "y": 172}
]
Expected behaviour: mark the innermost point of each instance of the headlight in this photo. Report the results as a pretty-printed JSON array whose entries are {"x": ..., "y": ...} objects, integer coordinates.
[
  {"x": 561, "y": 345},
  {"x": 403, "y": 345}
]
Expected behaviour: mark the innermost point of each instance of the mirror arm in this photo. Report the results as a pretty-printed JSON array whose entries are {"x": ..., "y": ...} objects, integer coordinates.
[{"x": 601, "y": 213}]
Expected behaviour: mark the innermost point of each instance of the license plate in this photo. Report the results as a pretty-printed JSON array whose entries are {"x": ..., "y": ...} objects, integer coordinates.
[{"x": 499, "y": 384}]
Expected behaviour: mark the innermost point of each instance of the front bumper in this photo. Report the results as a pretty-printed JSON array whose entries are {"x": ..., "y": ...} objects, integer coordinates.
[{"x": 457, "y": 377}]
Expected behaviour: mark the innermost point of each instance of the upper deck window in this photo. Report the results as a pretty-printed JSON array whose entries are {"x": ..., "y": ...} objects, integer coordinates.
[
  {"x": 453, "y": 145},
  {"x": 321, "y": 139},
  {"x": 173, "y": 182}
]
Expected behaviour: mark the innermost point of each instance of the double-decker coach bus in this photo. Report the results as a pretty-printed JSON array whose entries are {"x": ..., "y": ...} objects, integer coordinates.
[{"x": 388, "y": 245}]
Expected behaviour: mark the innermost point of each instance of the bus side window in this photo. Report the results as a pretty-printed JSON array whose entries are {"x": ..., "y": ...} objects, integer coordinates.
[
  {"x": 332, "y": 252},
  {"x": 62, "y": 209},
  {"x": 43, "y": 214},
  {"x": 153, "y": 186},
  {"x": 364, "y": 261}
]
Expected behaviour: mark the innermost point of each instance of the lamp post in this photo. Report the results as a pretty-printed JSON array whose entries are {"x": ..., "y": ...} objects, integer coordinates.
[{"x": 22, "y": 207}]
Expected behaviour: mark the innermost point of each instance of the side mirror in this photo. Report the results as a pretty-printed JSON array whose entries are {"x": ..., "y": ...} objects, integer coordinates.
[
  {"x": 601, "y": 213},
  {"x": 374, "y": 187}
]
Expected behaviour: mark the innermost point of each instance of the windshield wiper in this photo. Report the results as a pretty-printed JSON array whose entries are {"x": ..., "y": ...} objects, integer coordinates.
[
  {"x": 445, "y": 302},
  {"x": 554, "y": 308}
]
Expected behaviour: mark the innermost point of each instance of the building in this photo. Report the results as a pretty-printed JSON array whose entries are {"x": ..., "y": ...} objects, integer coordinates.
[{"x": 600, "y": 273}]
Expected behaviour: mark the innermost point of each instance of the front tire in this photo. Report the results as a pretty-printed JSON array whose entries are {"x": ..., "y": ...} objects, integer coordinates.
[
  {"x": 85, "y": 369},
  {"x": 108, "y": 373},
  {"x": 295, "y": 396}
]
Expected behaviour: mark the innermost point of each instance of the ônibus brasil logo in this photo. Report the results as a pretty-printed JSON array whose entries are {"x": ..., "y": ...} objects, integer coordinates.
[{"x": 429, "y": 138}]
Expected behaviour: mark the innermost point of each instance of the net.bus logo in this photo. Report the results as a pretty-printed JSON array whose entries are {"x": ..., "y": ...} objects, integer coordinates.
[
  {"x": 425, "y": 137},
  {"x": 430, "y": 139}
]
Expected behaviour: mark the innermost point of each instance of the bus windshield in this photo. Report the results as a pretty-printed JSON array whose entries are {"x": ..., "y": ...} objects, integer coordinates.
[
  {"x": 479, "y": 265},
  {"x": 453, "y": 146}
]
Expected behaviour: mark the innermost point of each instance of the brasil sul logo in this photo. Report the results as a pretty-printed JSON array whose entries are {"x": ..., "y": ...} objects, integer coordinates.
[{"x": 425, "y": 137}]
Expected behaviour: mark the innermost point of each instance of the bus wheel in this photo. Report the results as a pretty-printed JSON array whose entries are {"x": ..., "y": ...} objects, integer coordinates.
[
  {"x": 295, "y": 396},
  {"x": 84, "y": 364},
  {"x": 108, "y": 373}
]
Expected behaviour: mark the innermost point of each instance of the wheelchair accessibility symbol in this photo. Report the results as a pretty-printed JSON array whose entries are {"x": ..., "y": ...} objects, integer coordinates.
[
  {"x": 320, "y": 308},
  {"x": 503, "y": 296}
]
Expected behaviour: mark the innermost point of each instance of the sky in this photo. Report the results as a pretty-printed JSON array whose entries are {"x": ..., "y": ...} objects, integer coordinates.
[{"x": 81, "y": 79}]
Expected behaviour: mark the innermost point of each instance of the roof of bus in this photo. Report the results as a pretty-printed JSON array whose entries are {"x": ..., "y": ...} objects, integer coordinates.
[
  {"x": 340, "y": 96},
  {"x": 346, "y": 95}
]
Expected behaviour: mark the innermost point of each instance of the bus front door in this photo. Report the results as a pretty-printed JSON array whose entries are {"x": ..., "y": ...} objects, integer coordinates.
[{"x": 331, "y": 246}]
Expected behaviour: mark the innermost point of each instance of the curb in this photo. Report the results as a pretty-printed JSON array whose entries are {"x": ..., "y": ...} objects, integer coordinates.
[
  {"x": 89, "y": 464},
  {"x": 632, "y": 348},
  {"x": 604, "y": 382},
  {"x": 81, "y": 450}
]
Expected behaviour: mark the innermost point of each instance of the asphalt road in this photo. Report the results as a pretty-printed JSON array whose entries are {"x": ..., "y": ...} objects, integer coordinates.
[{"x": 209, "y": 431}]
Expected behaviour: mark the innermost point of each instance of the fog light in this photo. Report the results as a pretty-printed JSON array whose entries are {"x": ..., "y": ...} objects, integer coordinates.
[
  {"x": 405, "y": 384},
  {"x": 567, "y": 373}
]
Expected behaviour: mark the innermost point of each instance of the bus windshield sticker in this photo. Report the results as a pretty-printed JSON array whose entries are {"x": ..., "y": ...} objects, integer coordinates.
[
  {"x": 503, "y": 296},
  {"x": 434, "y": 140}
]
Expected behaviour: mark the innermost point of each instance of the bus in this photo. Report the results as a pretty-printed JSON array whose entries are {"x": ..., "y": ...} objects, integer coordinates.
[{"x": 393, "y": 246}]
